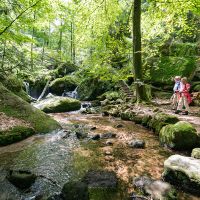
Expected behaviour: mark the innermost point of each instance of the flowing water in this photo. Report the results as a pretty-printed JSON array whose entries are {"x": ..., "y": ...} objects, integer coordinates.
[{"x": 57, "y": 159}]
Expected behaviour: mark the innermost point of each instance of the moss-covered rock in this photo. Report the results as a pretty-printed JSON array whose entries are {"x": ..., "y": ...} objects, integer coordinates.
[
  {"x": 58, "y": 104},
  {"x": 179, "y": 136},
  {"x": 183, "y": 172},
  {"x": 15, "y": 85},
  {"x": 110, "y": 95},
  {"x": 14, "y": 106},
  {"x": 66, "y": 83},
  {"x": 21, "y": 179},
  {"x": 161, "y": 119},
  {"x": 75, "y": 191},
  {"x": 196, "y": 153},
  {"x": 91, "y": 88},
  {"x": 15, "y": 134},
  {"x": 66, "y": 68}
]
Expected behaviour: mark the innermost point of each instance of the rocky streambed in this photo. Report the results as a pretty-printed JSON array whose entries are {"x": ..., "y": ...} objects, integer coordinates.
[{"x": 103, "y": 153}]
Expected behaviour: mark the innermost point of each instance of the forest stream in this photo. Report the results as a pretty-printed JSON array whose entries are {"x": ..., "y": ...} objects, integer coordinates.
[{"x": 59, "y": 157}]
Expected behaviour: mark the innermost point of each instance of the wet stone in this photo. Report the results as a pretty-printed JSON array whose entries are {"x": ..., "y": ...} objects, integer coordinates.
[
  {"x": 75, "y": 191},
  {"x": 109, "y": 143},
  {"x": 21, "y": 178},
  {"x": 108, "y": 135},
  {"x": 81, "y": 135},
  {"x": 141, "y": 182},
  {"x": 96, "y": 137},
  {"x": 137, "y": 144},
  {"x": 55, "y": 197},
  {"x": 101, "y": 179},
  {"x": 93, "y": 128},
  {"x": 119, "y": 126}
]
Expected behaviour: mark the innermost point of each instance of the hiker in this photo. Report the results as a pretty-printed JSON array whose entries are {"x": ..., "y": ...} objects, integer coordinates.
[
  {"x": 176, "y": 95},
  {"x": 185, "y": 98}
]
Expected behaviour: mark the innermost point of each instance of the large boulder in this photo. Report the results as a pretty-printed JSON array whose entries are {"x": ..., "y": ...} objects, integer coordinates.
[
  {"x": 161, "y": 119},
  {"x": 14, "y": 106},
  {"x": 21, "y": 179},
  {"x": 179, "y": 136},
  {"x": 66, "y": 68},
  {"x": 183, "y": 172},
  {"x": 154, "y": 189},
  {"x": 75, "y": 191},
  {"x": 58, "y": 104},
  {"x": 15, "y": 85},
  {"x": 59, "y": 85},
  {"x": 91, "y": 88}
]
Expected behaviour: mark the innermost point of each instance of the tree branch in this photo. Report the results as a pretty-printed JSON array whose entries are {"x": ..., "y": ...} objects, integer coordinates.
[{"x": 11, "y": 23}]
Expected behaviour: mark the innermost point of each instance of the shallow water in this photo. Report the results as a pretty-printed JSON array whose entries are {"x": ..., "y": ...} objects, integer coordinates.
[{"x": 56, "y": 158}]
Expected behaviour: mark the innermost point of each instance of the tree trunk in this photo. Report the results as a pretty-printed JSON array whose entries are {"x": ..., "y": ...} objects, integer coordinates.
[
  {"x": 73, "y": 51},
  {"x": 3, "y": 56},
  {"x": 60, "y": 41},
  {"x": 137, "y": 55},
  {"x": 33, "y": 31}
]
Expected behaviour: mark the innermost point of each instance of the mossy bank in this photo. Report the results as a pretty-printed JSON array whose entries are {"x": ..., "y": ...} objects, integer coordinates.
[{"x": 13, "y": 106}]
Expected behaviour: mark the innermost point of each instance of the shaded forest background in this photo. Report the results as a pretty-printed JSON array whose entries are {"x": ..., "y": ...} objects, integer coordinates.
[{"x": 81, "y": 42}]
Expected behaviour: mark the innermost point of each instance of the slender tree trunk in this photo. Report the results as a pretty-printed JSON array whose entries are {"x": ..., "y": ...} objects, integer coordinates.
[
  {"x": 137, "y": 55},
  {"x": 3, "y": 56},
  {"x": 33, "y": 31},
  {"x": 73, "y": 49},
  {"x": 43, "y": 45},
  {"x": 60, "y": 41}
]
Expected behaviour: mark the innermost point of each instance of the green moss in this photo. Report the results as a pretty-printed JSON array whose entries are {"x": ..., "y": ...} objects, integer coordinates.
[
  {"x": 91, "y": 88},
  {"x": 103, "y": 193},
  {"x": 110, "y": 95},
  {"x": 59, "y": 104},
  {"x": 161, "y": 119},
  {"x": 15, "y": 134},
  {"x": 14, "y": 106},
  {"x": 67, "y": 83},
  {"x": 15, "y": 85},
  {"x": 179, "y": 136},
  {"x": 66, "y": 68}
]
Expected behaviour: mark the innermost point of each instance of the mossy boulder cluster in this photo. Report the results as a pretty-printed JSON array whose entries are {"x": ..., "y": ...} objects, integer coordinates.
[
  {"x": 183, "y": 172},
  {"x": 58, "y": 104},
  {"x": 13, "y": 106}
]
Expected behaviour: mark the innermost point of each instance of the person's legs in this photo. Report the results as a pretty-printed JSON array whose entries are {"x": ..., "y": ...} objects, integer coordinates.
[
  {"x": 174, "y": 101},
  {"x": 180, "y": 105},
  {"x": 185, "y": 103}
]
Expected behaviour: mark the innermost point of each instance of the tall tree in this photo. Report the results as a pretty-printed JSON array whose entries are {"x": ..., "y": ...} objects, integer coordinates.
[{"x": 137, "y": 55}]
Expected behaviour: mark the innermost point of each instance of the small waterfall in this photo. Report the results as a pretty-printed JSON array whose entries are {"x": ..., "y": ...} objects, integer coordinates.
[
  {"x": 27, "y": 87},
  {"x": 72, "y": 94}
]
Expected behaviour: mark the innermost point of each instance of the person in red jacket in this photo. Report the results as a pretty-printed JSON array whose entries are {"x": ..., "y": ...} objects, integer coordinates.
[{"x": 185, "y": 98}]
